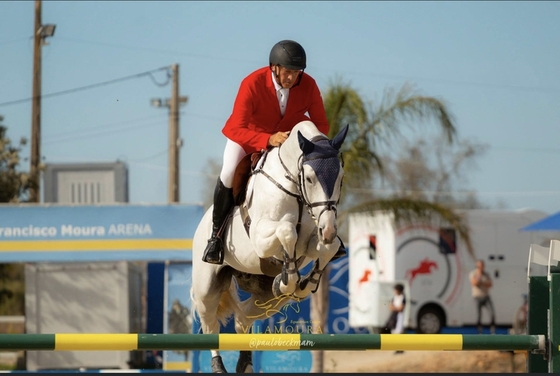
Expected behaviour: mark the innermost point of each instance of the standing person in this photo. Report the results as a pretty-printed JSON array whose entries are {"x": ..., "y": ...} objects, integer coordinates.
[
  {"x": 397, "y": 306},
  {"x": 480, "y": 287},
  {"x": 269, "y": 103}
]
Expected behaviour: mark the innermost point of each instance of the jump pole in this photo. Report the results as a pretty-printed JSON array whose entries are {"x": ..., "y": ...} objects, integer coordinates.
[{"x": 271, "y": 342}]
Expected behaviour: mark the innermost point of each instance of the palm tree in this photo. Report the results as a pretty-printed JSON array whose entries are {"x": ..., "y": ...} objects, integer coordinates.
[
  {"x": 371, "y": 126},
  {"x": 374, "y": 125}
]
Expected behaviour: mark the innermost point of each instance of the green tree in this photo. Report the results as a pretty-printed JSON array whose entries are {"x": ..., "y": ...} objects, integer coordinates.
[
  {"x": 12, "y": 289},
  {"x": 14, "y": 184}
]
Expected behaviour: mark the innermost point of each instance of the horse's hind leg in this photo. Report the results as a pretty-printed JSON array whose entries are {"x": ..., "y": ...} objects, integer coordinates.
[
  {"x": 245, "y": 362},
  {"x": 212, "y": 302},
  {"x": 257, "y": 306}
]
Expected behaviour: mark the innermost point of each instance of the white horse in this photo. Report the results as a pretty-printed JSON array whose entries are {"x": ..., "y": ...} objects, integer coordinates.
[{"x": 287, "y": 220}]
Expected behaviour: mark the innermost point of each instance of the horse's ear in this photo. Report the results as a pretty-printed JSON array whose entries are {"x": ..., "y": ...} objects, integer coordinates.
[
  {"x": 337, "y": 141},
  {"x": 304, "y": 144}
]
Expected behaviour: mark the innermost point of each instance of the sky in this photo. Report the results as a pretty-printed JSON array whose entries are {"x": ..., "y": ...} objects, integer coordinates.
[{"x": 496, "y": 65}]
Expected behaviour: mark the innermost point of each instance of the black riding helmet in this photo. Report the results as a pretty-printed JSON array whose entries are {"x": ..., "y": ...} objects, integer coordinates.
[{"x": 289, "y": 54}]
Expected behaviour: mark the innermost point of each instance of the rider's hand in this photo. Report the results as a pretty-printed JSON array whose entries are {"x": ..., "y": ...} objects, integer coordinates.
[{"x": 278, "y": 138}]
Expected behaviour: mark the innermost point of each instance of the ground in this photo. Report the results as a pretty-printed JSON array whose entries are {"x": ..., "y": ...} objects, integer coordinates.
[{"x": 378, "y": 361}]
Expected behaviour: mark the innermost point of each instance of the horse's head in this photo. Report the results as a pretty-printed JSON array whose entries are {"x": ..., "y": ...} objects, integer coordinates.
[{"x": 320, "y": 180}]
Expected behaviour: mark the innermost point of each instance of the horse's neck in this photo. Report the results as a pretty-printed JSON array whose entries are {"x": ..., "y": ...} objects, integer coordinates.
[
  {"x": 286, "y": 158},
  {"x": 290, "y": 149}
]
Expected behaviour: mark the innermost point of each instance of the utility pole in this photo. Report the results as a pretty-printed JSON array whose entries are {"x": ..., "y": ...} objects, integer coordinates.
[
  {"x": 175, "y": 142},
  {"x": 173, "y": 192},
  {"x": 36, "y": 109},
  {"x": 40, "y": 33}
]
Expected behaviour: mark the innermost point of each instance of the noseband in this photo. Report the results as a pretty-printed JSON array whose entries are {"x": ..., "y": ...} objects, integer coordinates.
[{"x": 302, "y": 195}]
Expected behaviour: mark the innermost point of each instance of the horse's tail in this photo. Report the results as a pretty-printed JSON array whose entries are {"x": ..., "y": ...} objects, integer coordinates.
[
  {"x": 194, "y": 309},
  {"x": 229, "y": 303}
]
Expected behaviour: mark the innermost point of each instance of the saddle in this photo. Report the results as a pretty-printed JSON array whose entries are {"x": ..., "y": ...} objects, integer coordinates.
[{"x": 241, "y": 176}]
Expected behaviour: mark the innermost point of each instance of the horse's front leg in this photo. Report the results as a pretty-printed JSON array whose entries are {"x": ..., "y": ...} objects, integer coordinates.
[
  {"x": 272, "y": 238},
  {"x": 322, "y": 254}
]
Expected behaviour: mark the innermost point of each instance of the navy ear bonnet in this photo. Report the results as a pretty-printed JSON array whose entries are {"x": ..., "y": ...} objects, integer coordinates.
[{"x": 323, "y": 159}]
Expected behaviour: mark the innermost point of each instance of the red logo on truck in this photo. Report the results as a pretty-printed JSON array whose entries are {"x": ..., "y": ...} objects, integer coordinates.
[
  {"x": 365, "y": 277},
  {"x": 425, "y": 267}
]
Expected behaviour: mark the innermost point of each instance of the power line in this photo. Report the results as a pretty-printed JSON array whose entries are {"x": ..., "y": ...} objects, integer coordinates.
[
  {"x": 527, "y": 149},
  {"x": 163, "y": 152},
  {"x": 457, "y": 82},
  {"x": 458, "y": 193},
  {"x": 148, "y": 73},
  {"x": 152, "y": 49},
  {"x": 381, "y": 75},
  {"x": 111, "y": 127},
  {"x": 106, "y": 129},
  {"x": 15, "y": 40},
  {"x": 101, "y": 133}
]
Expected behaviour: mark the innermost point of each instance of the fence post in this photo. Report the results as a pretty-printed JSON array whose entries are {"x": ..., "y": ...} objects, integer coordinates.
[
  {"x": 554, "y": 321},
  {"x": 537, "y": 320}
]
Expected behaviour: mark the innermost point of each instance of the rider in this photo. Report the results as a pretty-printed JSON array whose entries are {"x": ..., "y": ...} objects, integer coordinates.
[{"x": 269, "y": 103}]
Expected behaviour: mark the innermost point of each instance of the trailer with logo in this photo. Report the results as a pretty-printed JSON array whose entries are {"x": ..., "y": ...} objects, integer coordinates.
[{"x": 434, "y": 264}]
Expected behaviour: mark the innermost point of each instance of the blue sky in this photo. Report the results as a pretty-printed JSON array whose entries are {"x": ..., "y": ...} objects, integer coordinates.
[{"x": 494, "y": 63}]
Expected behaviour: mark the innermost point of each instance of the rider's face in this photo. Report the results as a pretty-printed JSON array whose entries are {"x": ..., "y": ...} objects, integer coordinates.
[{"x": 287, "y": 77}]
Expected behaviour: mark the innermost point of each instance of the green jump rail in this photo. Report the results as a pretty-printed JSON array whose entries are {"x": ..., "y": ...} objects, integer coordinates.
[{"x": 270, "y": 342}]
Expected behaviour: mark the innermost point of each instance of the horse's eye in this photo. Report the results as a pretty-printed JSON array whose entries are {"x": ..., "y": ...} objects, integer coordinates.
[{"x": 309, "y": 180}]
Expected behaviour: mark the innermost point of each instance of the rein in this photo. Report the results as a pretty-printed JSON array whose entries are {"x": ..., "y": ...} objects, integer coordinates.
[
  {"x": 301, "y": 196},
  {"x": 259, "y": 170}
]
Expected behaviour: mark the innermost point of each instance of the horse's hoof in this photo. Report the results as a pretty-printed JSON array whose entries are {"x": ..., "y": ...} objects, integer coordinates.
[
  {"x": 276, "y": 286},
  {"x": 244, "y": 362},
  {"x": 218, "y": 365}
]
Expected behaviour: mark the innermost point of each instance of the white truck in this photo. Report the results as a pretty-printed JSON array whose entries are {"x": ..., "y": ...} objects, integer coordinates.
[{"x": 433, "y": 264}]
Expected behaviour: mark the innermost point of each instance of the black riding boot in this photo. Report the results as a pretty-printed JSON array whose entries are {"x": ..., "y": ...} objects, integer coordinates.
[{"x": 223, "y": 203}]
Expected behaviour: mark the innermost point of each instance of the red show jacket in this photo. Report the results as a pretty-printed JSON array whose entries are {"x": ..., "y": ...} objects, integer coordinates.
[{"x": 256, "y": 112}]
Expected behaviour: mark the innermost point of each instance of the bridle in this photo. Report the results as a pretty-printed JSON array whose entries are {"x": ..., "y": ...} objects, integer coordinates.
[
  {"x": 302, "y": 196},
  {"x": 300, "y": 184}
]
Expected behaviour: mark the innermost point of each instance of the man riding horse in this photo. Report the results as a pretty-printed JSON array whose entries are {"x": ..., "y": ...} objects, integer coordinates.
[{"x": 269, "y": 103}]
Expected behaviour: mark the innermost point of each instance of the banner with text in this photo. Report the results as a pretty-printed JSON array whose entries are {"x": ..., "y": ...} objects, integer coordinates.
[{"x": 97, "y": 233}]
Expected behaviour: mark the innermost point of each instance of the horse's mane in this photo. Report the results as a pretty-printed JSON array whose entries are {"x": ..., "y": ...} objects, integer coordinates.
[{"x": 307, "y": 128}]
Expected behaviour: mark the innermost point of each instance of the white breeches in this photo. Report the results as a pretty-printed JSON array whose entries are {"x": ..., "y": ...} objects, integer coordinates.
[
  {"x": 233, "y": 154},
  {"x": 399, "y": 328}
]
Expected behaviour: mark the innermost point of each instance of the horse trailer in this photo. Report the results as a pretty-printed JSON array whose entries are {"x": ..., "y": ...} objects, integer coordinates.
[{"x": 434, "y": 264}]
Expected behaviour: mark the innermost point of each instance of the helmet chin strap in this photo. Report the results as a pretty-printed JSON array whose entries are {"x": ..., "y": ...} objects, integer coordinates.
[{"x": 276, "y": 76}]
